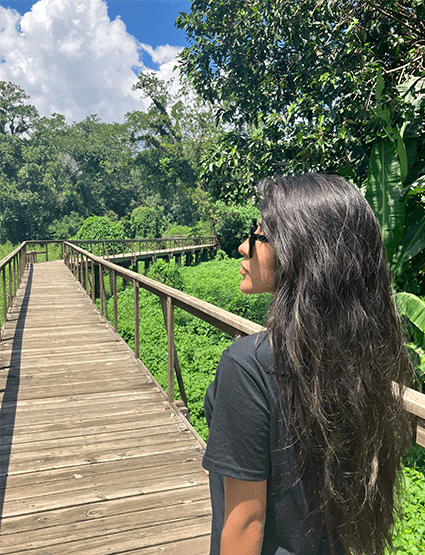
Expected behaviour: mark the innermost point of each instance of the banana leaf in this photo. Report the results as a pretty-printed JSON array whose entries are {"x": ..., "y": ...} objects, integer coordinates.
[
  {"x": 413, "y": 307},
  {"x": 413, "y": 241},
  {"x": 384, "y": 187}
]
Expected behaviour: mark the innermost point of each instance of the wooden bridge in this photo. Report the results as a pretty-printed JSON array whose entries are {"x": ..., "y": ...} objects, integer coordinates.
[{"x": 95, "y": 458}]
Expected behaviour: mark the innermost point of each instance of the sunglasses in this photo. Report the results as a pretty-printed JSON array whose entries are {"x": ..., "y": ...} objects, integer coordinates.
[{"x": 254, "y": 237}]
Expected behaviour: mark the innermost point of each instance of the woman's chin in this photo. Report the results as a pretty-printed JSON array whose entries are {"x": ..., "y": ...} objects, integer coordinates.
[{"x": 245, "y": 287}]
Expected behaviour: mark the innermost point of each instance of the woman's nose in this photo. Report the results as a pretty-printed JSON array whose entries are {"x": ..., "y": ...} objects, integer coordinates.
[{"x": 244, "y": 248}]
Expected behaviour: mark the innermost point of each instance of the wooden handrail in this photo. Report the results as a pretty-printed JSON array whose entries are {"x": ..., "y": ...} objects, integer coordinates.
[
  {"x": 115, "y": 247},
  {"x": 226, "y": 321},
  {"x": 232, "y": 324}
]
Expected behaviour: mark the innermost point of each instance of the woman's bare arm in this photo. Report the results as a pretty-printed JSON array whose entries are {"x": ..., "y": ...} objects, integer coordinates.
[{"x": 245, "y": 517}]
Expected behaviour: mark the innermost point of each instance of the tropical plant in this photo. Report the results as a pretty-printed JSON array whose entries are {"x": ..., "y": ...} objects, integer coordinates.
[{"x": 395, "y": 187}]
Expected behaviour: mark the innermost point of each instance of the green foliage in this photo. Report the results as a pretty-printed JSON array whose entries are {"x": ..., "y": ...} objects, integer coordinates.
[
  {"x": 146, "y": 222},
  {"x": 16, "y": 116},
  {"x": 167, "y": 273},
  {"x": 232, "y": 224},
  {"x": 409, "y": 538},
  {"x": 414, "y": 457},
  {"x": 100, "y": 227},
  {"x": 176, "y": 230},
  {"x": 218, "y": 281},
  {"x": 172, "y": 135},
  {"x": 67, "y": 227},
  {"x": 383, "y": 193},
  {"x": 52, "y": 173},
  {"x": 297, "y": 78}
]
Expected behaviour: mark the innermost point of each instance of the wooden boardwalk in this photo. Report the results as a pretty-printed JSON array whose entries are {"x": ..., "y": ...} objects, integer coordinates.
[{"x": 93, "y": 460}]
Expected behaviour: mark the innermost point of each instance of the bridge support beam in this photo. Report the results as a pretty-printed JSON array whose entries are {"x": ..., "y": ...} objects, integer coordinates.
[{"x": 188, "y": 259}]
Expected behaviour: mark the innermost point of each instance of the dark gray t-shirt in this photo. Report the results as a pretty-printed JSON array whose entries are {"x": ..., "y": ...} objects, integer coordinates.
[{"x": 248, "y": 441}]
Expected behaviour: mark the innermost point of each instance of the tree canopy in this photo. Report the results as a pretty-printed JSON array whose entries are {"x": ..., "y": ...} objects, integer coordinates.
[
  {"x": 300, "y": 80},
  {"x": 53, "y": 172}
]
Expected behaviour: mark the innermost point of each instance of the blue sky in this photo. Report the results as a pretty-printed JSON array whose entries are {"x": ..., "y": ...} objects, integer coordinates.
[
  {"x": 79, "y": 57},
  {"x": 150, "y": 21}
]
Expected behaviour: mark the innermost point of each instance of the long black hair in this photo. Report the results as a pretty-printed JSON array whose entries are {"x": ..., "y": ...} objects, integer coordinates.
[{"x": 338, "y": 350}]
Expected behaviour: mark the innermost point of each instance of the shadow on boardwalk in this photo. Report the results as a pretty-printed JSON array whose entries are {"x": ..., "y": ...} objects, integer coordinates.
[{"x": 10, "y": 393}]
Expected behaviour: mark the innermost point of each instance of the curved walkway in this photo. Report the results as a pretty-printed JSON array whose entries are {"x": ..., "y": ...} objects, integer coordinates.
[{"x": 93, "y": 460}]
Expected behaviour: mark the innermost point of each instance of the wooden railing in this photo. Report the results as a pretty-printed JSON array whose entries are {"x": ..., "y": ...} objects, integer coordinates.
[
  {"x": 113, "y": 247},
  {"x": 86, "y": 267},
  {"x": 12, "y": 269},
  {"x": 79, "y": 260}
]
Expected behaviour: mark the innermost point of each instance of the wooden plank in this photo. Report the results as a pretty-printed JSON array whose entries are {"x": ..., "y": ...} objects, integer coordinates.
[
  {"x": 135, "y": 538},
  {"x": 82, "y": 531},
  {"x": 98, "y": 491},
  {"x": 420, "y": 435},
  {"x": 178, "y": 459},
  {"x": 91, "y": 512}
]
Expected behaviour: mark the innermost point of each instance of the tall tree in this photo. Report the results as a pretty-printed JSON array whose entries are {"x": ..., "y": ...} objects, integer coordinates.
[
  {"x": 300, "y": 79},
  {"x": 171, "y": 135},
  {"x": 16, "y": 116}
]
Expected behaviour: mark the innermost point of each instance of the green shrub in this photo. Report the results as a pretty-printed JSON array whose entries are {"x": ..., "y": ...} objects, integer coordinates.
[
  {"x": 167, "y": 273},
  {"x": 232, "y": 225},
  {"x": 147, "y": 222},
  {"x": 176, "y": 230},
  {"x": 66, "y": 227},
  {"x": 99, "y": 228},
  {"x": 409, "y": 538}
]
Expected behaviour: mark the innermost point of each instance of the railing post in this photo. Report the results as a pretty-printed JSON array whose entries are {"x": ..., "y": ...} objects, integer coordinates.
[
  {"x": 114, "y": 282},
  {"x": 86, "y": 269},
  {"x": 15, "y": 269},
  {"x": 103, "y": 305},
  {"x": 93, "y": 282},
  {"x": 10, "y": 283},
  {"x": 4, "y": 295},
  {"x": 170, "y": 344},
  {"x": 47, "y": 252},
  {"x": 80, "y": 268},
  {"x": 24, "y": 259},
  {"x": 136, "y": 320},
  {"x": 176, "y": 358}
]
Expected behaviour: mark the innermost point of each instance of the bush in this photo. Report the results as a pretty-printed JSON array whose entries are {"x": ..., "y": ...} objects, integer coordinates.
[
  {"x": 147, "y": 222},
  {"x": 409, "y": 538},
  {"x": 99, "y": 228},
  {"x": 67, "y": 227},
  {"x": 167, "y": 273},
  {"x": 232, "y": 225},
  {"x": 176, "y": 230}
]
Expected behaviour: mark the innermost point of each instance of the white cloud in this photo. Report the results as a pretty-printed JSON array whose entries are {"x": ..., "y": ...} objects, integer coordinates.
[
  {"x": 72, "y": 59},
  {"x": 166, "y": 58}
]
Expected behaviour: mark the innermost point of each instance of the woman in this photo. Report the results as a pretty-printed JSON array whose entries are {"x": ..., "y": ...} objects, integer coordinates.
[{"x": 306, "y": 426}]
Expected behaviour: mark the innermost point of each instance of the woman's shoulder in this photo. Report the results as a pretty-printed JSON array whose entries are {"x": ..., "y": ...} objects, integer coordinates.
[{"x": 252, "y": 351}]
